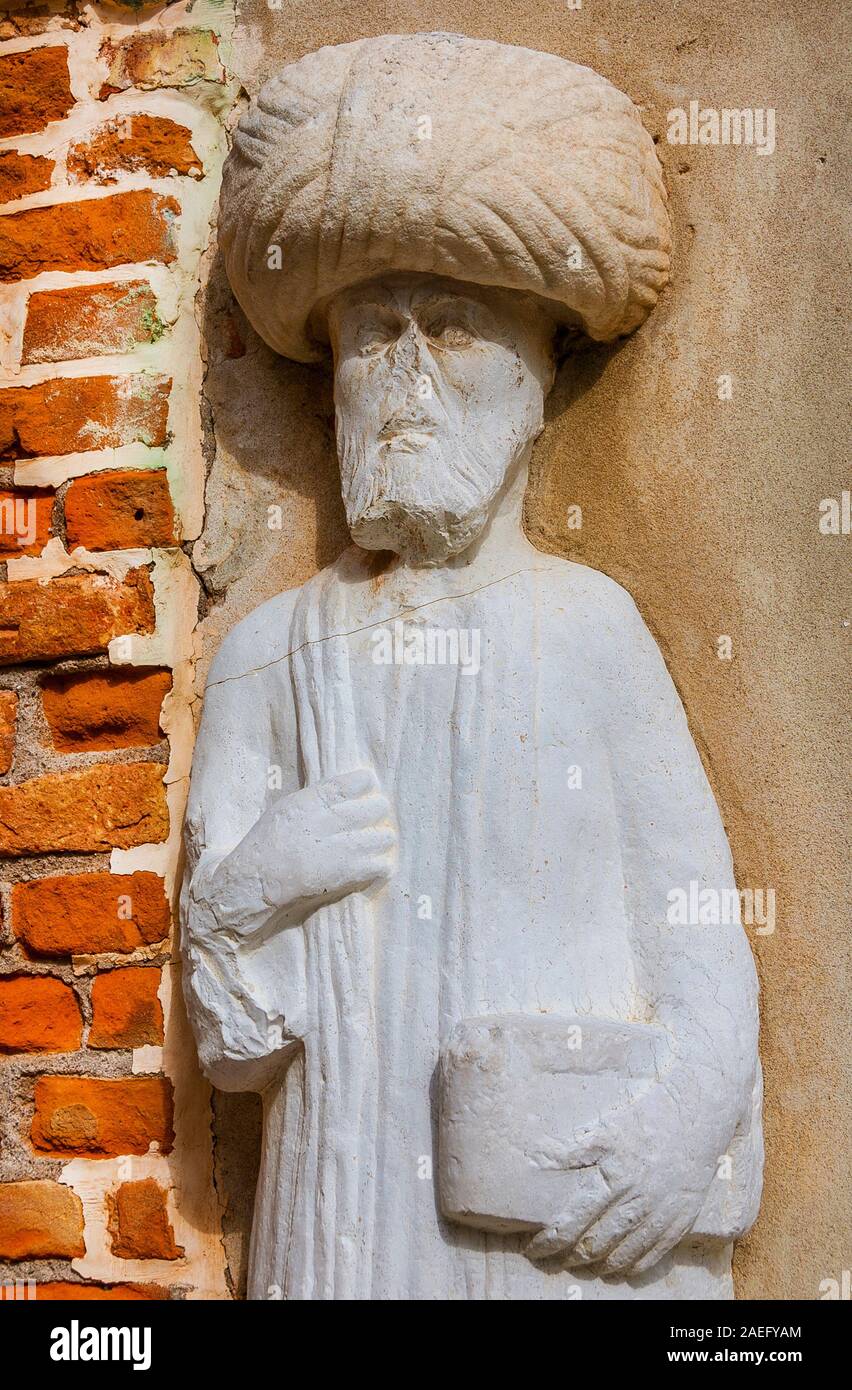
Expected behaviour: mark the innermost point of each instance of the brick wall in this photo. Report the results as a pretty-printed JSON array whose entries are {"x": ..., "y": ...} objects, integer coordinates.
[{"x": 112, "y": 135}]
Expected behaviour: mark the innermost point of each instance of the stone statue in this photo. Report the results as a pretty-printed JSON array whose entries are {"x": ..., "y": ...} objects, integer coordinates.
[{"x": 443, "y": 793}]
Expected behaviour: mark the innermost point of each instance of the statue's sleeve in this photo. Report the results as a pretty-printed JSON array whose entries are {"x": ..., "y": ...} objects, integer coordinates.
[
  {"x": 696, "y": 977},
  {"x": 243, "y": 994}
]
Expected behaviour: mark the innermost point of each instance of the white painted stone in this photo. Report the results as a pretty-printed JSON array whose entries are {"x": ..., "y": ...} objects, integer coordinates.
[{"x": 441, "y": 796}]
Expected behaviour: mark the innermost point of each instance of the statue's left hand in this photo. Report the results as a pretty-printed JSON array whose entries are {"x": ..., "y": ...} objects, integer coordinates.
[{"x": 651, "y": 1165}]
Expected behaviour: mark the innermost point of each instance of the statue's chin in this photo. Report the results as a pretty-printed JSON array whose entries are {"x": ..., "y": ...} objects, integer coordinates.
[{"x": 419, "y": 538}]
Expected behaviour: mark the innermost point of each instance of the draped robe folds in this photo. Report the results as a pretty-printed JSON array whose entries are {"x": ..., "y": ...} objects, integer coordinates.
[{"x": 516, "y": 891}]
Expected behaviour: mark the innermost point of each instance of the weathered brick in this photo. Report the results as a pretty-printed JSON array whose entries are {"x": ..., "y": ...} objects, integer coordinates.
[
  {"x": 102, "y": 1118},
  {"x": 25, "y": 521},
  {"x": 88, "y": 914},
  {"x": 121, "y": 510},
  {"x": 82, "y": 1293},
  {"x": 40, "y": 1220},
  {"x": 133, "y": 142},
  {"x": 111, "y": 805},
  {"x": 21, "y": 174},
  {"x": 74, "y": 615},
  {"x": 92, "y": 234},
  {"x": 38, "y": 1014},
  {"x": 126, "y": 1010},
  {"x": 94, "y": 710},
  {"x": 138, "y": 1222},
  {"x": 67, "y": 414},
  {"x": 89, "y": 321},
  {"x": 8, "y": 719},
  {"x": 150, "y": 59},
  {"x": 34, "y": 89}
]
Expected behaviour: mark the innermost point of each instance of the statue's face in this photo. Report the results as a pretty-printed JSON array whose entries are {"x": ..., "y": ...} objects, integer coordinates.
[{"x": 439, "y": 387}]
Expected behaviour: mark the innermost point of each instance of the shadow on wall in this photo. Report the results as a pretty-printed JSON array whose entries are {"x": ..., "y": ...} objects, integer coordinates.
[{"x": 273, "y": 509}]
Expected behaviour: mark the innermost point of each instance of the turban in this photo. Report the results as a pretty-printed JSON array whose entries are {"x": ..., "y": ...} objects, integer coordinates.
[{"x": 446, "y": 155}]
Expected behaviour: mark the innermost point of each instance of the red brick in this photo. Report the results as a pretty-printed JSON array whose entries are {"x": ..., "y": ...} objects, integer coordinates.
[
  {"x": 25, "y": 513},
  {"x": 34, "y": 89},
  {"x": 67, "y": 414},
  {"x": 133, "y": 142},
  {"x": 91, "y": 711},
  {"x": 89, "y": 321},
  {"x": 88, "y": 1293},
  {"x": 152, "y": 58},
  {"x": 88, "y": 914},
  {"x": 81, "y": 1293},
  {"x": 40, "y": 1220},
  {"x": 8, "y": 719},
  {"x": 110, "y": 805},
  {"x": 21, "y": 174},
  {"x": 91, "y": 234},
  {"x": 126, "y": 1010},
  {"x": 77, "y": 615},
  {"x": 102, "y": 1118},
  {"x": 122, "y": 510},
  {"x": 38, "y": 1014},
  {"x": 139, "y": 1222}
]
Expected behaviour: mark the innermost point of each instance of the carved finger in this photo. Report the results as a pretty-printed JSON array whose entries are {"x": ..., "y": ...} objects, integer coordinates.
[
  {"x": 610, "y": 1230},
  {"x": 590, "y": 1197},
  {"x": 362, "y": 811},
  {"x": 634, "y": 1256},
  {"x": 347, "y": 785}
]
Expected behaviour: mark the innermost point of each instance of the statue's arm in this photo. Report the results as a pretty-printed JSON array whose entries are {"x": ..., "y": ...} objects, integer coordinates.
[
  {"x": 236, "y": 976},
  {"x": 262, "y": 855},
  {"x": 698, "y": 980},
  {"x": 637, "y": 1181}
]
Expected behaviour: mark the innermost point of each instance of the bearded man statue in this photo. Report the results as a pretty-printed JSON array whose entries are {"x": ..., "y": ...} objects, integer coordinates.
[{"x": 438, "y": 939}]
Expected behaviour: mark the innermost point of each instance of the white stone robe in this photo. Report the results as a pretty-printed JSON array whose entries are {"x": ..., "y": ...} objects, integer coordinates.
[{"x": 543, "y": 899}]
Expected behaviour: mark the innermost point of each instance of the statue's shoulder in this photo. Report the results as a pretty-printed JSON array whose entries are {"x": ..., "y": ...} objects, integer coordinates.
[
  {"x": 578, "y": 594},
  {"x": 257, "y": 641}
]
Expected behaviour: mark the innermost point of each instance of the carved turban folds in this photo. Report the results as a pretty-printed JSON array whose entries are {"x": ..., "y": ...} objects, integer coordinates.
[{"x": 449, "y": 155}]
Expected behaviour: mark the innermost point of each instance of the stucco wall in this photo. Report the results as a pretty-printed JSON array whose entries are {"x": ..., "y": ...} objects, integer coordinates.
[{"x": 706, "y": 509}]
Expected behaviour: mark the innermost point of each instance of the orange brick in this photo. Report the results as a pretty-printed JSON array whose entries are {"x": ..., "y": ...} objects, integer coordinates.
[
  {"x": 8, "y": 718},
  {"x": 25, "y": 522},
  {"x": 133, "y": 142},
  {"x": 121, "y": 510},
  {"x": 21, "y": 174},
  {"x": 38, "y": 1014},
  {"x": 40, "y": 1220},
  {"x": 152, "y": 58},
  {"x": 88, "y": 914},
  {"x": 81, "y": 1293},
  {"x": 90, "y": 234},
  {"x": 77, "y": 615},
  {"x": 102, "y": 1118},
  {"x": 110, "y": 805},
  {"x": 96, "y": 710},
  {"x": 34, "y": 89},
  {"x": 139, "y": 1222},
  {"x": 89, "y": 320},
  {"x": 67, "y": 414},
  {"x": 126, "y": 1011}
]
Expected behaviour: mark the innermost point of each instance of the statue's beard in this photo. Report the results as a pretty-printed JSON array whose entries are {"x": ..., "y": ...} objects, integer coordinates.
[{"x": 423, "y": 499}]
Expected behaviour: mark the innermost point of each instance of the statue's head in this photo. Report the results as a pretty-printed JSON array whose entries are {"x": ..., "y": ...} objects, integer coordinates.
[
  {"x": 431, "y": 207},
  {"x": 439, "y": 388}
]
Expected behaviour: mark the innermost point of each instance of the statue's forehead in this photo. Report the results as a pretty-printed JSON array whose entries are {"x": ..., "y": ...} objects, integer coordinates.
[{"x": 405, "y": 290}]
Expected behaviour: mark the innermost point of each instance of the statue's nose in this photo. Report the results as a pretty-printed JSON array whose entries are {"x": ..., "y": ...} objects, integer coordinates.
[{"x": 406, "y": 352}]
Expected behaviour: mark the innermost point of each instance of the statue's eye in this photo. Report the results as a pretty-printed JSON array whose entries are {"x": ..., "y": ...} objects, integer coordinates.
[
  {"x": 372, "y": 341},
  {"x": 447, "y": 334}
]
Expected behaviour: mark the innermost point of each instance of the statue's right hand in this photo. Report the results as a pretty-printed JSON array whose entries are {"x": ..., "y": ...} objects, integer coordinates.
[{"x": 326, "y": 840}]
